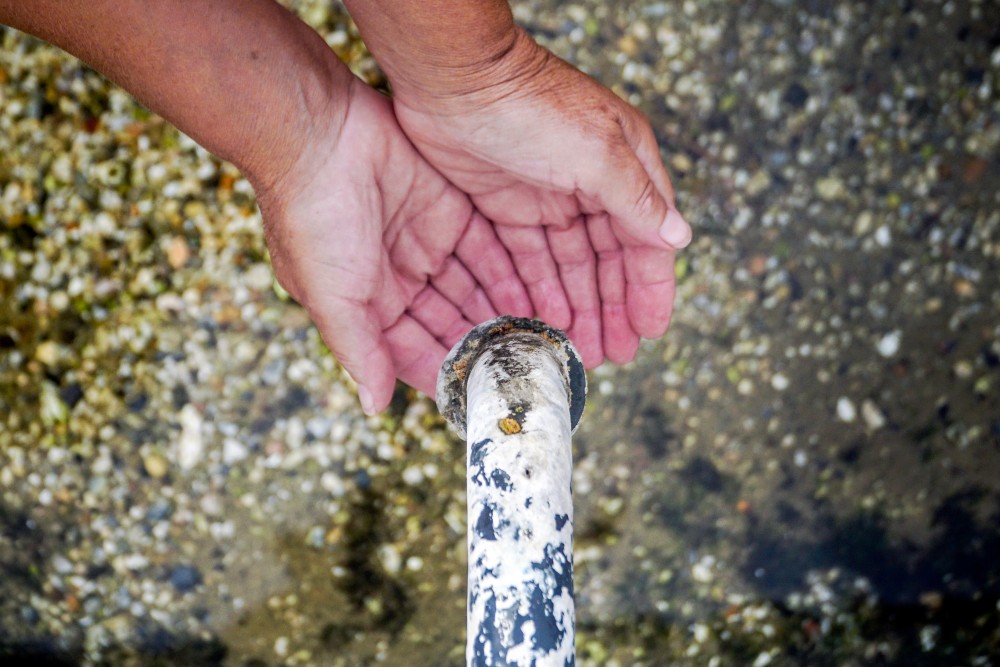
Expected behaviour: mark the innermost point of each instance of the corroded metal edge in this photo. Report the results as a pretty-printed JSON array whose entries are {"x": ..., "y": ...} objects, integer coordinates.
[{"x": 451, "y": 381}]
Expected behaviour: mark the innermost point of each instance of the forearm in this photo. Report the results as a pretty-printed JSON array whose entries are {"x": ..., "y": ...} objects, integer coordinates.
[
  {"x": 241, "y": 77},
  {"x": 442, "y": 45}
]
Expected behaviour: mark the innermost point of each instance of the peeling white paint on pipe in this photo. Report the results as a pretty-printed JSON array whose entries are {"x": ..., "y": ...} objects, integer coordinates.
[{"x": 523, "y": 389}]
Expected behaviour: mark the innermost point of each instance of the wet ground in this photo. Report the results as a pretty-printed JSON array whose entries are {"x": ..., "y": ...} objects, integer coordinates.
[{"x": 805, "y": 471}]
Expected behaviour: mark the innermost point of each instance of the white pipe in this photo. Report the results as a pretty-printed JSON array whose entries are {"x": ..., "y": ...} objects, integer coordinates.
[{"x": 518, "y": 382}]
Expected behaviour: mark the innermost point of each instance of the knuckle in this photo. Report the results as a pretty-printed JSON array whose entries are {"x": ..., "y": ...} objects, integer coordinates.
[{"x": 647, "y": 202}]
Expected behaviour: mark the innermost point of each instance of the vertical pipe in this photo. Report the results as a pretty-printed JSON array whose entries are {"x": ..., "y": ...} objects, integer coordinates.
[{"x": 513, "y": 381}]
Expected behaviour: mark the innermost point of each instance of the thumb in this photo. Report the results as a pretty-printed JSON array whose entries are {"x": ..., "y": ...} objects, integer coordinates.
[
  {"x": 637, "y": 189},
  {"x": 641, "y": 208},
  {"x": 351, "y": 330}
]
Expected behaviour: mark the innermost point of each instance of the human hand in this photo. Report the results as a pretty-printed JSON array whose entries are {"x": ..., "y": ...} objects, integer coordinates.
[
  {"x": 391, "y": 261},
  {"x": 572, "y": 179}
]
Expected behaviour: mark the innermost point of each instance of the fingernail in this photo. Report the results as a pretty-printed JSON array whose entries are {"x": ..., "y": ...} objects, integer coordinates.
[
  {"x": 675, "y": 230},
  {"x": 367, "y": 402}
]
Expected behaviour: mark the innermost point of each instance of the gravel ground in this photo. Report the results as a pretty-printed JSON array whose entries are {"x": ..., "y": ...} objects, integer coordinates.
[{"x": 805, "y": 471}]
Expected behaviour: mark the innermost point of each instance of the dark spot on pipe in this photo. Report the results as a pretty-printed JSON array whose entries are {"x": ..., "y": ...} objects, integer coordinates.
[
  {"x": 501, "y": 480},
  {"x": 562, "y": 576},
  {"x": 548, "y": 634},
  {"x": 561, "y": 520},
  {"x": 477, "y": 465},
  {"x": 478, "y": 451},
  {"x": 484, "y": 524}
]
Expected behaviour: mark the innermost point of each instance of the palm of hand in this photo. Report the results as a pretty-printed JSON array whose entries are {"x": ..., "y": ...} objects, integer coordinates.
[
  {"x": 572, "y": 179},
  {"x": 391, "y": 261}
]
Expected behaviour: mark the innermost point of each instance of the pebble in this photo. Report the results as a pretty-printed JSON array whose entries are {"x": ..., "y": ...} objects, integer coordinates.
[
  {"x": 156, "y": 465},
  {"x": 178, "y": 252},
  {"x": 391, "y": 560},
  {"x": 883, "y": 237},
  {"x": 846, "y": 412},
  {"x": 61, "y": 564},
  {"x": 233, "y": 451},
  {"x": 830, "y": 188},
  {"x": 888, "y": 345},
  {"x": 258, "y": 277},
  {"x": 190, "y": 444},
  {"x": 48, "y": 353},
  {"x": 185, "y": 578},
  {"x": 701, "y": 571},
  {"x": 872, "y": 415}
]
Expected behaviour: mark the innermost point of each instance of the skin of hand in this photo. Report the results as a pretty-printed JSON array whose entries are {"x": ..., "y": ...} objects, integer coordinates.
[
  {"x": 386, "y": 255},
  {"x": 392, "y": 262},
  {"x": 570, "y": 174}
]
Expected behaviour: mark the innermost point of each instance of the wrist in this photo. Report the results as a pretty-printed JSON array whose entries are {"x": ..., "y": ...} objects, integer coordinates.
[
  {"x": 435, "y": 47},
  {"x": 282, "y": 134},
  {"x": 298, "y": 111},
  {"x": 507, "y": 70}
]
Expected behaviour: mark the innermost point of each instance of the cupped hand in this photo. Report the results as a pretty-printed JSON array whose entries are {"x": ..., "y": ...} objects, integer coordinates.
[
  {"x": 571, "y": 177},
  {"x": 391, "y": 261}
]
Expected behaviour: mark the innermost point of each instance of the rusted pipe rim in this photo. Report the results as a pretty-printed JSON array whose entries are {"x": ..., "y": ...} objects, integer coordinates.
[{"x": 451, "y": 382}]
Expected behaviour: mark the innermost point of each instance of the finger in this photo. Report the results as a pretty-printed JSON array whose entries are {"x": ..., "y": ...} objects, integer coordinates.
[
  {"x": 529, "y": 251},
  {"x": 456, "y": 284},
  {"x": 487, "y": 258},
  {"x": 417, "y": 353},
  {"x": 574, "y": 256},
  {"x": 639, "y": 134},
  {"x": 439, "y": 316},
  {"x": 633, "y": 197},
  {"x": 649, "y": 289},
  {"x": 352, "y": 332},
  {"x": 620, "y": 341}
]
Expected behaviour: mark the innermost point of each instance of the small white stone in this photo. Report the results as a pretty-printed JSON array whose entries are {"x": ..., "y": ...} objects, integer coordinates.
[
  {"x": 830, "y": 188},
  {"x": 333, "y": 484},
  {"x": 801, "y": 458},
  {"x": 258, "y": 277},
  {"x": 846, "y": 412},
  {"x": 390, "y": 558},
  {"x": 190, "y": 443},
  {"x": 702, "y": 570},
  {"x": 883, "y": 236},
  {"x": 762, "y": 660},
  {"x": 874, "y": 419},
  {"x": 211, "y": 504},
  {"x": 863, "y": 224},
  {"x": 59, "y": 300},
  {"x": 780, "y": 382},
  {"x": 61, "y": 564},
  {"x": 413, "y": 475},
  {"x": 48, "y": 352},
  {"x": 888, "y": 345},
  {"x": 233, "y": 451},
  {"x": 281, "y": 646}
]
